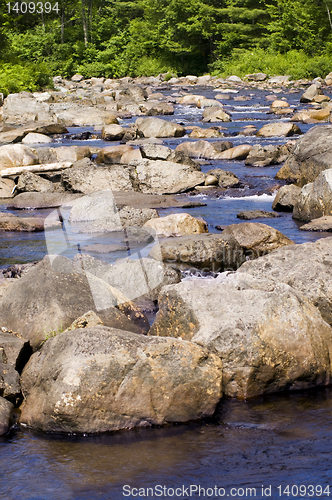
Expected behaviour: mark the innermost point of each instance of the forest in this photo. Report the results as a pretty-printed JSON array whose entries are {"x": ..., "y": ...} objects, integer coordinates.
[{"x": 116, "y": 38}]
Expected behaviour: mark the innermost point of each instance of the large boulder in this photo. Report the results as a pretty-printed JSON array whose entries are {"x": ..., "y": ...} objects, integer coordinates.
[
  {"x": 208, "y": 252},
  {"x": 225, "y": 178},
  {"x": 16, "y": 155},
  {"x": 285, "y": 129},
  {"x": 41, "y": 200},
  {"x": 311, "y": 155},
  {"x": 82, "y": 116},
  {"x": 23, "y": 108},
  {"x": 315, "y": 198},
  {"x": 87, "y": 180},
  {"x": 286, "y": 198},
  {"x": 35, "y": 138},
  {"x": 112, "y": 154},
  {"x": 6, "y": 416},
  {"x": 6, "y": 188},
  {"x": 55, "y": 293},
  {"x": 166, "y": 177},
  {"x": 177, "y": 225},
  {"x": 237, "y": 153},
  {"x": 306, "y": 267},
  {"x": 257, "y": 239},
  {"x": 101, "y": 379},
  {"x": 267, "y": 335},
  {"x": 156, "y": 127},
  {"x": 9, "y": 222}
]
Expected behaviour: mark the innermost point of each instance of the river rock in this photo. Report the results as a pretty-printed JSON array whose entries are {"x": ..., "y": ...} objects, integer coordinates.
[
  {"x": 33, "y": 138},
  {"x": 155, "y": 151},
  {"x": 156, "y": 127},
  {"x": 205, "y": 133},
  {"x": 215, "y": 114},
  {"x": 190, "y": 99},
  {"x": 112, "y": 154},
  {"x": 257, "y": 239},
  {"x": 263, "y": 156},
  {"x": 225, "y": 178},
  {"x": 6, "y": 416},
  {"x": 24, "y": 108},
  {"x": 108, "y": 379},
  {"x": 83, "y": 116},
  {"x": 131, "y": 216},
  {"x": 208, "y": 252},
  {"x": 154, "y": 108},
  {"x": 256, "y": 77},
  {"x": 286, "y": 198},
  {"x": 306, "y": 267},
  {"x": 311, "y": 93},
  {"x": 202, "y": 149},
  {"x": 14, "y": 354},
  {"x": 28, "y": 181},
  {"x": 92, "y": 179},
  {"x": 256, "y": 214},
  {"x": 321, "y": 224},
  {"x": 278, "y": 129},
  {"x": 166, "y": 177},
  {"x": 55, "y": 293},
  {"x": 41, "y": 200},
  {"x": 237, "y": 153},
  {"x": 177, "y": 225},
  {"x": 311, "y": 155},
  {"x": 112, "y": 132},
  {"x": 315, "y": 199},
  {"x": 267, "y": 335},
  {"x": 6, "y": 188},
  {"x": 16, "y": 155}
]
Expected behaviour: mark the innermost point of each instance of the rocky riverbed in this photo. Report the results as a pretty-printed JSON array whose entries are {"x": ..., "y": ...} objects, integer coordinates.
[{"x": 164, "y": 246}]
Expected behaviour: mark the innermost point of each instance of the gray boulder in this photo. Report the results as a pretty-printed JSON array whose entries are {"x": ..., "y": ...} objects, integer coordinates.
[
  {"x": 101, "y": 379},
  {"x": 257, "y": 239},
  {"x": 225, "y": 178},
  {"x": 28, "y": 181},
  {"x": 203, "y": 149},
  {"x": 6, "y": 416},
  {"x": 286, "y": 198},
  {"x": 263, "y": 156},
  {"x": 166, "y": 177},
  {"x": 91, "y": 179},
  {"x": 23, "y": 108},
  {"x": 321, "y": 224},
  {"x": 156, "y": 127},
  {"x": 42, "y": 200},
  {"x": 16, "y": 155},
  {"x": 55, "y": 293},
  {"x": 311, "y": 155},
  {"x": 208, "y": 252},
  {"x": 306, "y": 267},
  {"x": 269, "y": 338},
  {"x": 256, "y": 214},
  {"x": 315, "y": 198}
]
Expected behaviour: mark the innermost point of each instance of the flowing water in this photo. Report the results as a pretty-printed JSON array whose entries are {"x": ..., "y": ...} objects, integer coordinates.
[{"x": 258, "y": 447}]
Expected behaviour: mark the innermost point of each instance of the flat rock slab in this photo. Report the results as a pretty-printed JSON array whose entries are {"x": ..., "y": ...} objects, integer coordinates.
[
  {"x": 142, "y": 200},
  {"x": 101, "y": 379},
  {"x": 256, "y": 214},
  {"x": 41, "y": 200},
  {"x": 321, "y": 224}
]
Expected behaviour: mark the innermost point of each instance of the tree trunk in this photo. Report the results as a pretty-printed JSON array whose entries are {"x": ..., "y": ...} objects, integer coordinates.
[
  {"x": 62, "y": 24},
  {"x": 90, "y": 18},
  {"x": 84, "y": 21}
]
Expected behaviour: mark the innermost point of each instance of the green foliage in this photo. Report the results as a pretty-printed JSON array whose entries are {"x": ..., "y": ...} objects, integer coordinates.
[
  {"x": 29, "y": 77},
  {"x": 116, "y": 38},
  {"x": 294, "y": 63}
]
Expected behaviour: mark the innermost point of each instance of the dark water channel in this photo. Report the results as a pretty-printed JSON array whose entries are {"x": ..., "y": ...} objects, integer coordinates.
[{"x": 277, "y": 441}]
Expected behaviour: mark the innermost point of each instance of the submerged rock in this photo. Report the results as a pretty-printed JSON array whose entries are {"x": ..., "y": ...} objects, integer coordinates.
[{"x": 102, "y": 379}]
